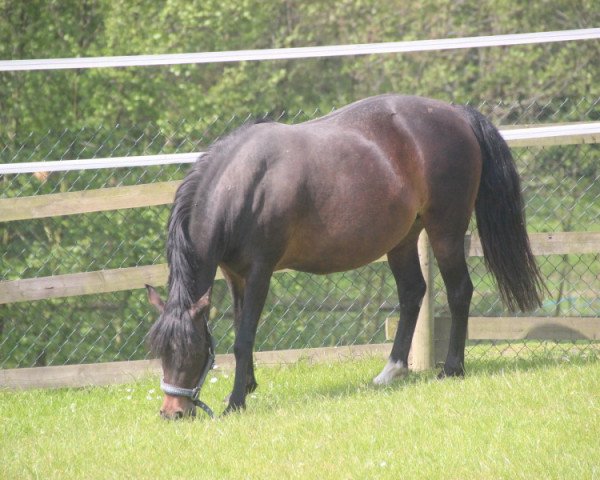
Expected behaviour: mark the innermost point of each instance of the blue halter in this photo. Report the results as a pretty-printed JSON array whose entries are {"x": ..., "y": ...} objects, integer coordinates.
[{"x": 194, "y": 393}]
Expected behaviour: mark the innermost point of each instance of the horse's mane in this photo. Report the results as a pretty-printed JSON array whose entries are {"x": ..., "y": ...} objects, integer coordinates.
[{"x": 174, "y": 337}]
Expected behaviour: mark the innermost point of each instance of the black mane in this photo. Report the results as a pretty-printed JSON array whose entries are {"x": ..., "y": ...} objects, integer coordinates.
[{"x": 174, "y": 337}]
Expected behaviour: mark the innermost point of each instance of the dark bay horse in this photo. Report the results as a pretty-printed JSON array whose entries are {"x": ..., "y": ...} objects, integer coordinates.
[{"x": 330, "y": 195}]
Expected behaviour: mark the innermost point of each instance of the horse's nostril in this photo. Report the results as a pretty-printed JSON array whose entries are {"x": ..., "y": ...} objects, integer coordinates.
[{"x": 177, "y": 415}]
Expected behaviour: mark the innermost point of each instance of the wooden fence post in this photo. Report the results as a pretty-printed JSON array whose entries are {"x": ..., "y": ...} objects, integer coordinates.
[{"x": 423, "y": 344}]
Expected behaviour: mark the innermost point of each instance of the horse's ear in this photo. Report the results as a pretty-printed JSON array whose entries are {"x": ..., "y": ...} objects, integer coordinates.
[
  {"x": 201, "y": 304},
  {"x": 154, "y": 299}
]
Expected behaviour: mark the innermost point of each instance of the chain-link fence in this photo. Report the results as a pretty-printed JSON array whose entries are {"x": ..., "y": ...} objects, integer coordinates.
[{"x": 562, "y": 190}]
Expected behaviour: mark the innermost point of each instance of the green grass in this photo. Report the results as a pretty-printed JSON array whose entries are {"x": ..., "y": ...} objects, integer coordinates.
[{"x": 509, "y": 419}]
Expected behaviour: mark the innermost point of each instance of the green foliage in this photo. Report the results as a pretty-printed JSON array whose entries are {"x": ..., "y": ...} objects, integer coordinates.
[
  {"x": 40, "y": 100},
  {"x": 52, "y": 115}
]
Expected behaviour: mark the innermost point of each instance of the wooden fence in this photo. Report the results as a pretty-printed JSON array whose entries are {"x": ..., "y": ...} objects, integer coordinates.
[{"x": 430, "y": 337}]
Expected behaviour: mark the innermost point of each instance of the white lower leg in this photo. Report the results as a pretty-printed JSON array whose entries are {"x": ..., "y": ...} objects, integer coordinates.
[{"x": 390, "y": 371}]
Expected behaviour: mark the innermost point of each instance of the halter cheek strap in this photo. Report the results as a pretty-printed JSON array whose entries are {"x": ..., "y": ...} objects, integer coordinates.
[{"x": 194, "y": 393}]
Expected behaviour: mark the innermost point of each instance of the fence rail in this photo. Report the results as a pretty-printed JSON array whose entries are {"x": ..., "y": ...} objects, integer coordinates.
[
  {"x": 515, "y": 136},
  {"x": 122, "y": 372},
  {"x": 87, "y": 201},
  {"x": 120, "y": 279},
  {"x": 480, "y": 328},
  {"x": 300, "y": 52}
]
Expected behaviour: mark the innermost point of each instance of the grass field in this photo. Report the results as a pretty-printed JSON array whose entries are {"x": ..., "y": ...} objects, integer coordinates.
[{"x": 509, "y": 419}]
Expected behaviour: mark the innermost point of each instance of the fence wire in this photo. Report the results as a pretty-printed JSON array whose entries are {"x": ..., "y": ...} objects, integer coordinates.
[{"x": 561, "y": 186}]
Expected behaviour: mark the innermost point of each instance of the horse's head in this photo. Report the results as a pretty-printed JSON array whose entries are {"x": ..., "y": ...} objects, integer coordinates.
[{"x": 182, "y": 340}]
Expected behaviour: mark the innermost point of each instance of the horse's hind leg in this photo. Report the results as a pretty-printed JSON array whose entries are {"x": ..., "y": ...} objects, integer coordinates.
[
  {"x": 404, "y": 263},
  {"x": 449, "y": 251}
]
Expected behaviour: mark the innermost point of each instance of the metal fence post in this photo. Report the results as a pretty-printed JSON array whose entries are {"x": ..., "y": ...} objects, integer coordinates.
[{"x": 423, "y": 344}]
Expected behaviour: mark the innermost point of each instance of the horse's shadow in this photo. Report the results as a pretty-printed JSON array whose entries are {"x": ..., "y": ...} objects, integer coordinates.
[{"x": 343, "y": 388}]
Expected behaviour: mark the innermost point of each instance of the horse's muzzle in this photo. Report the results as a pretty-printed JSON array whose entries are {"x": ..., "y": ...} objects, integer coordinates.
[{"x": 176, "y": 408}]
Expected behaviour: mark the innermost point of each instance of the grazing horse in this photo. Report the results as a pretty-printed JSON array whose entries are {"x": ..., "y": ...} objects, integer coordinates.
[{"x": 329, "y": 195}]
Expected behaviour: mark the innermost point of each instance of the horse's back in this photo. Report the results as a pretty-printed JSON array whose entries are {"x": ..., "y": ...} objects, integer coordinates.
[
  {"x": 424, "y": 145},
  {"x": 432, "y": 146}
]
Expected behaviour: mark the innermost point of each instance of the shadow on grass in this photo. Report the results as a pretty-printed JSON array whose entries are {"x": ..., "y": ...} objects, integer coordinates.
[
  {"x": 350, "y": 385},
  {"x": 547, "y": 360}
]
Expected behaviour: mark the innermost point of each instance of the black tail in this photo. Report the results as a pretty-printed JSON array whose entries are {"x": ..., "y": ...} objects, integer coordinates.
[{"x": 501, "y": 220}]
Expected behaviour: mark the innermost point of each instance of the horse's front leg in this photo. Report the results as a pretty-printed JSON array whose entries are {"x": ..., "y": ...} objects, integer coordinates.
[
  {"x": 237, "y": 285},
  {"x": 255, "y": 294}
]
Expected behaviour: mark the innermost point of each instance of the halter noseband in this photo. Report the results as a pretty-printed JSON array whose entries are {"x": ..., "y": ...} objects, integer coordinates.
[{"x": 194, "y": 393}]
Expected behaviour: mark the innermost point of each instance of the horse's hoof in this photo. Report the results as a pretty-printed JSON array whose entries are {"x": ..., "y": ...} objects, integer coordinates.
[
  {"x": 250, "y": 388},
  {"x": 391, "y": 371},
  {"x": 233, "y": 409},
  {"x": 451, "y": 373}
]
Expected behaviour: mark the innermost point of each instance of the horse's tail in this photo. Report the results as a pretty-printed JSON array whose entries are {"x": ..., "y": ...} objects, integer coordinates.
[{"x": 501, "y": 220}]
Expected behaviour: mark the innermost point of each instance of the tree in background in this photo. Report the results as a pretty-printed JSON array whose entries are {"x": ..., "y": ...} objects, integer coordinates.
[
  {"x": 37, "y": 101},
  {"x": 128, "y": 111}
]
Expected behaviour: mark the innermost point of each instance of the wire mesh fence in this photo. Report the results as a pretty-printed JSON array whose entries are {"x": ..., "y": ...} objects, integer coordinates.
[{"x": 561, "y": 186}]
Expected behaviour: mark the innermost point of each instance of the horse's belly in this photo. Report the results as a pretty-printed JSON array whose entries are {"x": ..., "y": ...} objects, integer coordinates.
[{"x": 347, "y": 243}]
